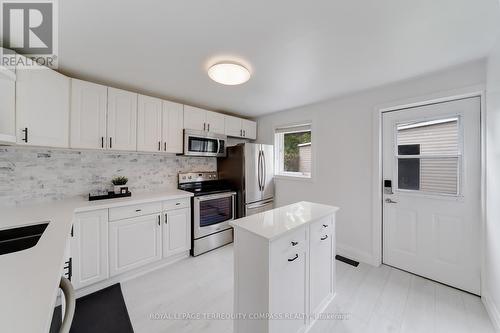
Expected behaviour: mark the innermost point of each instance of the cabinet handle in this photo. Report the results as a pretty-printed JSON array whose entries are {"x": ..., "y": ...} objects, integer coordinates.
[
  {"x": 295, "y": 243},
  {"x": 25, "y": 130},
  {"x": 110, "y": 142},
  {"x": 159, "y": 145},
  {"x": 138, "y": 210},
  {"x": 166, "y": 218},
  {"x": 294, "y": 258},
  {"x": 323, "y": 238},
  {"x": 244, "y": 133},
  {"x": 325, "y": 225},
  {"x": 204, "y": 126},
  {"x": 159, "y": 218},
  {"x": 208, "y": 125},
  {"x": 102, "y": 142},
  {"x": 165, "y": 146},
  {"x": 241, "y": 132}
]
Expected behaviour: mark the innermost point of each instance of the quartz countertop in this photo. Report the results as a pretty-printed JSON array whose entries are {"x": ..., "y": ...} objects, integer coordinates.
[
  {"x": 274, "y": 223},
  {"x": 29, "y": 279}
]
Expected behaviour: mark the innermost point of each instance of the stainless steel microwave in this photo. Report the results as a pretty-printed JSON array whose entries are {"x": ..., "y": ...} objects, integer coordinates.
[{"x": 201, "y": 143}]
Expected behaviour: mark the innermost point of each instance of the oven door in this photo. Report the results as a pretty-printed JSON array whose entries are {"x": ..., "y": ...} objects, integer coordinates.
[
  {"x": 198, "y": 143},
  {"x": 212, "y": 213}
]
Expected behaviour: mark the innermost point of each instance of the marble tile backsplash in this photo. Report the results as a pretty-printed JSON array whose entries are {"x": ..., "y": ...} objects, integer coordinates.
[{"x": 41, "y": 174}]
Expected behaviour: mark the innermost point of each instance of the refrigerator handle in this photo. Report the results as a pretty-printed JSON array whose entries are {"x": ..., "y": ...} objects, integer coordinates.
[
  {"x": 259, "y": 170},
  {"x": 264, "y": 171}
]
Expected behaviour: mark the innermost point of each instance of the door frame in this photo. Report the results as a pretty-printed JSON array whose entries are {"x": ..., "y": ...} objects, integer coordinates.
[{"x": 377, "y": 204}]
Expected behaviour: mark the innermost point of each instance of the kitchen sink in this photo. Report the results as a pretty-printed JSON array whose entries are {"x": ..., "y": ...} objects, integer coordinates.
[{"x": 20, "y": 238}]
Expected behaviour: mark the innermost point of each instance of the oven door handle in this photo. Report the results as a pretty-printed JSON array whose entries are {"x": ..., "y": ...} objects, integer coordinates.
[{"x": 215, "y": 196}]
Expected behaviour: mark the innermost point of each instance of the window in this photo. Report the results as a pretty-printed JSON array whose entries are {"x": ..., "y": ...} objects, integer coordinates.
[
  {"x": 293, "y": 151},
  {"x": 428, "y": 156}
]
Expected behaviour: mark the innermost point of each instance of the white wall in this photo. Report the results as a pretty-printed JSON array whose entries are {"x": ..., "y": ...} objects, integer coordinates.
[
  {"x": 491, "y": 272},
  {"x": 343, "y": 149}
]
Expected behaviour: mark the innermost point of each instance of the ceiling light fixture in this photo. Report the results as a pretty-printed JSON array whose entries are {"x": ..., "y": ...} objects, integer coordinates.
[{"x": 229, "y": 73}]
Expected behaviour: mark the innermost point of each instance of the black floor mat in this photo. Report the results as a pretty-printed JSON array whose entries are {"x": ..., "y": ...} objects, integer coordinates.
[{"x": 101, "y": 312}]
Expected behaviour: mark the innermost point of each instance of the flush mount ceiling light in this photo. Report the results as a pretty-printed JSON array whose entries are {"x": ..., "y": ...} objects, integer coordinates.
[{"x": 229, "y": 73}]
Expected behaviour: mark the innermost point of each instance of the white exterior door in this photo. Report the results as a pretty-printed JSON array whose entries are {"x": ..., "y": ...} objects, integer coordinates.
[
  {"x": 122, "y": 119},
  {"x": 89, "y": 248},
  {"x": 431, "y": 208},
  {"x": 176, "y": 232},
  {"x": 173, "y": 127},
  {"x": 133, "y": 243},
  {"x": 88, "y": 115},
  {"x": 149, "y": 111},
  {"x": 42, "y": 108}
]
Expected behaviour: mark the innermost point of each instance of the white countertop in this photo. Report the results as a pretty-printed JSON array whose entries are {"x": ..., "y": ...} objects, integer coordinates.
[
  {"x": 274, "y": 223},
  {"x": 29, "y": 279}
]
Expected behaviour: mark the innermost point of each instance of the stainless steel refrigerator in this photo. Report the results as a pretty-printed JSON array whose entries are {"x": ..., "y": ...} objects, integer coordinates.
[{"x": 249, "y": 168}]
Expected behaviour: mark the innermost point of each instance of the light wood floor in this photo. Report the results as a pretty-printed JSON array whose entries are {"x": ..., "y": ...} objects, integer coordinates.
[{"x": 381, "y": 299}]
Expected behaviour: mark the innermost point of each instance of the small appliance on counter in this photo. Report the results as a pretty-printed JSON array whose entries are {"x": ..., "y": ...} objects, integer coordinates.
[
  {"x": 212, "y": 207},
  {"x": 249, "y": 169}
]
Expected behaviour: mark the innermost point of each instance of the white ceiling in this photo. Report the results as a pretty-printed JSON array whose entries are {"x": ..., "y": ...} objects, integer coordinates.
[{"x": 299, "y": 51}]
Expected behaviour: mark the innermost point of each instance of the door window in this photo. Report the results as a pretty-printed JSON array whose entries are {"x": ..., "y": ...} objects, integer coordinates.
[{"x": 428, "y": 155}]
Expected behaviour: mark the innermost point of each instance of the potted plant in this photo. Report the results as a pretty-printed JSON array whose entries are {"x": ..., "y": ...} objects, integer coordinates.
[{"x": 118, "y": 183}]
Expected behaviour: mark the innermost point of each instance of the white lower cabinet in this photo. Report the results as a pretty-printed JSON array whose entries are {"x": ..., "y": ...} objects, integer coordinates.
[
  {"x": 291, "y": 279},
  {"x": 134, "y": 242},
  {"x": 176, "y": 232},
  {"x": 89, "y": 248}
]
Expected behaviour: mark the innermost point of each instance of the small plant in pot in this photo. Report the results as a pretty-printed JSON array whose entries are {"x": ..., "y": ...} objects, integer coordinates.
[{"x": 118, "y": 183}]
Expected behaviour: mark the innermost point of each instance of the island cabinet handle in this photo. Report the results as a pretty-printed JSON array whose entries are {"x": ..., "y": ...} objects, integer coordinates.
[
  {"x": 294, "y": 258},
  {"x": 323, "y": 238}
]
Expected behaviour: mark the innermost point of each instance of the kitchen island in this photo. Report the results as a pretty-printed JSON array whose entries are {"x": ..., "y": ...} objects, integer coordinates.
[{"x": 284, "y": 268}]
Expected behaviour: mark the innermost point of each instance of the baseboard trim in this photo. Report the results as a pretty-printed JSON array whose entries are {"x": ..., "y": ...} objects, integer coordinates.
[
  {"x": 355, "y": 254},
  {"x": 492, "y": 310}
]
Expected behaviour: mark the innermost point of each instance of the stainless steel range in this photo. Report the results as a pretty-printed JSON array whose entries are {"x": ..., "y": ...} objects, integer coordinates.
[{"x": 212, "y": 207}]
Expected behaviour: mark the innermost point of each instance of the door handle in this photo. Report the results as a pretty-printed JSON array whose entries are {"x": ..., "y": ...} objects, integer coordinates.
[
  {"x": 294, "y": 258},
  {"x": 390, "y": 201}
]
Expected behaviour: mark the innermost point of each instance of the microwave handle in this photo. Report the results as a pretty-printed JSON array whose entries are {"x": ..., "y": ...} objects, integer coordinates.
[{"x": 218, "y": 145}]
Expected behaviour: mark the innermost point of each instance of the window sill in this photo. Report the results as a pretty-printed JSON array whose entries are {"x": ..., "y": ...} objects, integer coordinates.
[{"x": 294, "y": 177}]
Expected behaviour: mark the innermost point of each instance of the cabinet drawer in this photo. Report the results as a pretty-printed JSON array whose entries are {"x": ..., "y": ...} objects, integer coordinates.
[
  {"x": 176, "y": 204},
  {"x": 322, "y": 227},
  {"x": 295, "y": 241},
  {"x": 125, "y": 212}
]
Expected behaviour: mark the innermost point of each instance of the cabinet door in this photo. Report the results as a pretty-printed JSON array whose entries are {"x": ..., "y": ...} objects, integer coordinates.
[
  {"x": 322, "y": 262},
  {"x": 42, "y": 107},
  {"x": 89, "y": 248},
  {"x": 195, "y": 118},
  {"x": 133, "y": 243},
  {"x": 173, "y": 127},
  {"x": 149, "y": 114},
  {"x": 288, "y": 289},
  {"x": 7, "y": 109},
  {"x": 122, "y": 119},
  {"x": 176, "y": 232},
  {"x": 249, "y": 129},
  {"x": 88, "y": 115},
  {"x": 233, "y": 127},
  {"x": 216, "y": 122}
]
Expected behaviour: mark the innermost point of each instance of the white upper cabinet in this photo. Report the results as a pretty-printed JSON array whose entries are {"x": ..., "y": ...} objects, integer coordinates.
[
  {"x": 42, "y": 107},
  {"x": 241, "y": 128},
  {"x": 149, "y": 124},
  {"x": 88, "y": 115},
  {"x": 203, "y": 120},
  {"x": 7, "y": 106},
  {"x": 173, "y": 127},
  {"x": 122, "y": 119},
  {"x": 249, "y": 129},
  {"x": 195, "y": 118},
  {"x": 216, "y": 122}
]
